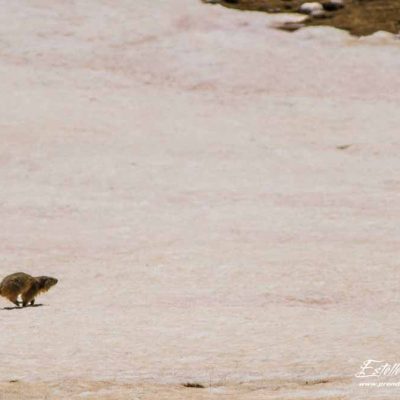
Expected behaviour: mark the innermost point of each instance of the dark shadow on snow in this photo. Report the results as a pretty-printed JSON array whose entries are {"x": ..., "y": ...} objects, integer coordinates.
[{"x": 21, "y": 308}]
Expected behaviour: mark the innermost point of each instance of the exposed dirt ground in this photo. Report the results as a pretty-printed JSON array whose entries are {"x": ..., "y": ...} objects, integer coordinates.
[{"x": 359, "y": 17}]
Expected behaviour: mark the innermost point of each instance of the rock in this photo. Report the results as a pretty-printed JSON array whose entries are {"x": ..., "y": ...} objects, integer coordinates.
[
  {"x": 333, "y": 5},
  {"x": 319, "y": 14},
  {"x": 311, "y": 8},
  {"x": 343, "y": 146},
  {"x": 290, "y": 26}
]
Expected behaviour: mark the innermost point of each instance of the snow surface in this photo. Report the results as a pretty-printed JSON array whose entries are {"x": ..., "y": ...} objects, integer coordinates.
[{"x": 176, "y": 166}]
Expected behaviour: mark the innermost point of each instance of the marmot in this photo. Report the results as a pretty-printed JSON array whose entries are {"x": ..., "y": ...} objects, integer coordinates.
[{"x": 25, "y": 285}]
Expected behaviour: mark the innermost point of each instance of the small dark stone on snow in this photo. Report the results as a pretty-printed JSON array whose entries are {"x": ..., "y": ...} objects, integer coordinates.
[
  {"x": 343, "y": 146},
  {"x": 193, "y": 385}
]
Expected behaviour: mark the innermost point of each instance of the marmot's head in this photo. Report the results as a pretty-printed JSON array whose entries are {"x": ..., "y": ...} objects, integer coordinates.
[{"x": 46, "y": 282}]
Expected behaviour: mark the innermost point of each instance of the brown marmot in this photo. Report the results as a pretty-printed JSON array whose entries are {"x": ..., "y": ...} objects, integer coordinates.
[{"x": 25, "y": 285}]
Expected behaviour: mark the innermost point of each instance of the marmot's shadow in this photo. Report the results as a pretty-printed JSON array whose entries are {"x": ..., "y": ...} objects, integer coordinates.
[{"x": 21, "y": 308}]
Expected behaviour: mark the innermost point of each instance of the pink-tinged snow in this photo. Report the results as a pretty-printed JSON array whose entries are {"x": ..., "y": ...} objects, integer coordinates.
[{"x": 176, "y": 167}]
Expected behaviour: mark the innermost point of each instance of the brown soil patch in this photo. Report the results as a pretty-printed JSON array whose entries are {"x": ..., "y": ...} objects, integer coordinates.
[{"x": 359, "y": 17}]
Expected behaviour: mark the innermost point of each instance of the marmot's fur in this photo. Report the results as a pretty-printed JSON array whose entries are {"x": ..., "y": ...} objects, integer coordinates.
[{"x": 25, "y": 285}]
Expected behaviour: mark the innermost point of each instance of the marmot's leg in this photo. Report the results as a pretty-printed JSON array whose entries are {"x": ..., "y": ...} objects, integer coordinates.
[
  {"x": 26, "y": 301},
  {"x": 28, "y": 296},
  {"x": 14, "y": 299},
  {"x": 32, "y": 302}
]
